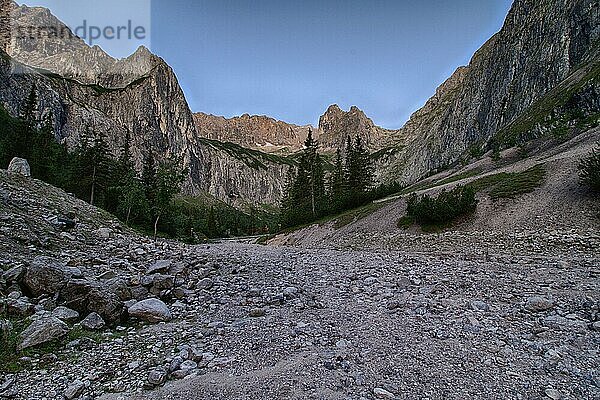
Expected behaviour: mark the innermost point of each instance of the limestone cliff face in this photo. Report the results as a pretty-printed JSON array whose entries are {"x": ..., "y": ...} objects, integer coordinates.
[
  {"x": 273, "y": 136},
  {"x": 139, "y": 96},
  {"x": 336, "y": 125},
  {"x": 6, "y": 7},
  {"x": 253, "y": 131},
  {"x": 542, "y": 68},
  {"x": 542, "y": 44},
  {"x": 539, "y": 74}
]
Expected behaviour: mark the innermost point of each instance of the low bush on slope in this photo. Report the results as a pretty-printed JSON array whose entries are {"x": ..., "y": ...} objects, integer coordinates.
[
  {"x": 442, "y": 210},
  {"x": 435, "y": 213},
  {"x": 589, "y": 170}
]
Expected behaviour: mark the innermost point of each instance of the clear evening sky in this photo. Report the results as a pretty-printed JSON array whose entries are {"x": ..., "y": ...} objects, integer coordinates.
[{"x": 290, "y": 59}]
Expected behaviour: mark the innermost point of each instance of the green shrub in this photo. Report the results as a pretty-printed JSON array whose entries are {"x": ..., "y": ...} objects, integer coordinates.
[
  {"x": 589, "y": 170},
  {"x": 405, "y": 222},
  {"x": 9, "y": 356},
  {"x": 496, "y": 155},
  {"x": 508, "y": 185},
  {"x": 444, "y": 209}
]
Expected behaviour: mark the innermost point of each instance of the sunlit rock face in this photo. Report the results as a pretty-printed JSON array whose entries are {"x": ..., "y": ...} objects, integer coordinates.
[
  {"x": 253, "y": 131},
  {"x": 138, "y": 96},
  {"x": 336, "y": 125},
  {"x": 543, "y": 44}
]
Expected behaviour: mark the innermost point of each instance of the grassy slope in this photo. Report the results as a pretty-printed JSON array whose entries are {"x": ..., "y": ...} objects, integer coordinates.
[
  {"x": 509, "y": 185},
  {"x": 253, "y": 158}
]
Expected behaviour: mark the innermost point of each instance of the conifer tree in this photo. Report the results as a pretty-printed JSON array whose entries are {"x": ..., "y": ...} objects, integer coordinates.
[
  {"x": 130, "y": 190},
  {"x": 309, "y": 187},
  {"x": 305, "y": 195},
  {"x": 30, "y": 108},
  {"x": 348, "y": 171},
  {"x": 24, "y": 129},
  {"x": 41, "y": 156},
  {"x": 80, "y": 166},
  {"x": 287, "y": 202},
  {"x": 364, "y": 171},
  {"x": 337, "y": 183},
  {"x": 101, "y": 168},
  {"x": 149, "y": 179},
  {"x": 211, "y": 223},
  {"x": 359, "y": 172},
  {"x": 169, "y": 177},
  {"x": 125, "y": 160}
]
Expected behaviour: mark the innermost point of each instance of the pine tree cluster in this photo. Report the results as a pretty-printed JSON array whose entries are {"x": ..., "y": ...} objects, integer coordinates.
[
  {"x": 443, "y": 209},
  {"x": 309, "y": 195},
  {"x": 149, "y": 201}
]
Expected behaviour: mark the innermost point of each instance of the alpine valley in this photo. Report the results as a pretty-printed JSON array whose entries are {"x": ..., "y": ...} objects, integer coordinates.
[
  {"x": 471, "y": 273},
  {"x": 507, "y": 93}
]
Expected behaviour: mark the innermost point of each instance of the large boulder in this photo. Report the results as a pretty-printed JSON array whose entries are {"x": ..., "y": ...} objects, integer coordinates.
[
  {"x": 150, "y": 310},
  {"x": 74, "y": 390},
  {"x": 14, "y": 274},
  {"x": 162, "y": 282},
  {"x": 21, "y": 306},
  {"x": 43, "y": 330},
  {"x": 65, "y": 314},
  {"x": 46, "y": 276},
  {"x": 539, "y": 304},
  {"x": 19, "y": 166},
  {"x": 87, "y": 296},
  {"x": 119, "y": 287},
  {"x": 157, "y": 376},
  {"x": 159, "y": 266},
  {"x": 93, "y": 322}
]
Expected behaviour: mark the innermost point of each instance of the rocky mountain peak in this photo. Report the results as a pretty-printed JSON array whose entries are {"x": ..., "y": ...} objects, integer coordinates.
[
  {"x": 355, "y": 109},
  {"x": 267, "y": 134},
  {"x": 70, "y": 56},
  {"x": 336, "y": 125},
  {"x": 333, "y": 109},
  {"x": 253, "y": 131},
  {"x": 142, "y": 52},
  {"x": 335, "y": 118},
  {"x": 63, "y": 53}
]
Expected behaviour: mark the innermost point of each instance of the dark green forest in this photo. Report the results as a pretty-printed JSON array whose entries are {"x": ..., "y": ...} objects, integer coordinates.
[
  {"x": 310, "y": 195},
  {"x": 149, "y": 202}
]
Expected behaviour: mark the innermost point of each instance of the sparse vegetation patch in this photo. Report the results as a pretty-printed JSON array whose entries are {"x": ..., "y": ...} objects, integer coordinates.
[
  {"x": 511, "y": 184},
  {"x": 589, "y": 170},
  {"x": 442, "y": 210}
]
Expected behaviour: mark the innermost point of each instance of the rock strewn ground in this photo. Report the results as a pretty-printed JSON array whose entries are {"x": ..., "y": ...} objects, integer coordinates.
[
  {"x": 342, "y": 324},
  {"x": 460, "y": 315}
]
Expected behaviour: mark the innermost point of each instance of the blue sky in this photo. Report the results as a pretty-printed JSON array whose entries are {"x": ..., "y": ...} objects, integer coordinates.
[{"x": 292, "y": 59}]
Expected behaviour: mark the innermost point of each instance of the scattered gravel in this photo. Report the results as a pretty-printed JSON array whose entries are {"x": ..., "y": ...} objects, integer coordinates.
[{"x": 459, "y": 315}]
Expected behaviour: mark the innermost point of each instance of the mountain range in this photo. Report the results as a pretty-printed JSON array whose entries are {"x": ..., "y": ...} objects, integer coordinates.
[{"x": 539, "y": 77}]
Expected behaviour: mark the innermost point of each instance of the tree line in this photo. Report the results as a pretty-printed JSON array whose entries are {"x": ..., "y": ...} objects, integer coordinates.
[
  {"x": 310, "y": 195},
  {"x": 148, "y": 200}
]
